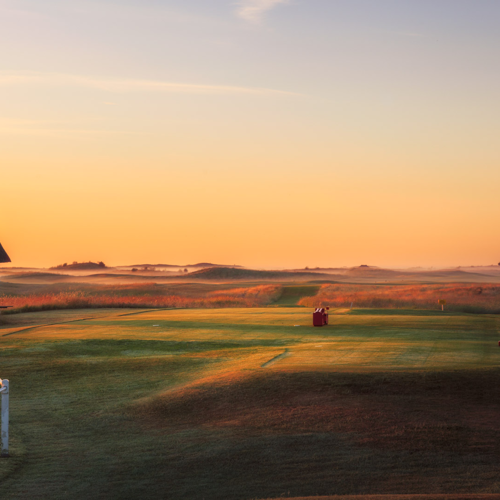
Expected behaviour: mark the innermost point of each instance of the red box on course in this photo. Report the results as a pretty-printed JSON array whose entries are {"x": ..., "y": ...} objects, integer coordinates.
[{"x": 320, "y": 316}]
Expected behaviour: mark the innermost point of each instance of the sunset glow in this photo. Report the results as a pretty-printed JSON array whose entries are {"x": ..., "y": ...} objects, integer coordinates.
[{"x": 261, "y": 133}]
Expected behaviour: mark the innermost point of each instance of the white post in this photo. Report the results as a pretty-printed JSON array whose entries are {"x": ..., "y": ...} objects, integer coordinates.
[{"x": 4, "y": 390}]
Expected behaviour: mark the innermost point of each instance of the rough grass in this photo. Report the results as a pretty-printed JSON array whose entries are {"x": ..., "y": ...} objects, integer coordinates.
[
  {"x": 400, "y": 497},
  {"x": 440, "y": 411},
  {"x": 482, "y": 298},
  {"x": 175, "y": 404},
  {"x": 145, "y": 296},
  {"x": 291, "y": 294},
  {"x": 478, "y": 298},
  {"x": 339, "y": 433}
]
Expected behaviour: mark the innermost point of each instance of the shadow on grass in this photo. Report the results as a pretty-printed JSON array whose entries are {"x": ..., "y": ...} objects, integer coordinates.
[{"x": 333, "y": 433}]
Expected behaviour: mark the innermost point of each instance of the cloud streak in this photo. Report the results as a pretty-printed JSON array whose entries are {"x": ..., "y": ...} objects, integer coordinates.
[
  {"x": 254, "y": 10},
  {"x": 127, "y": 85}
]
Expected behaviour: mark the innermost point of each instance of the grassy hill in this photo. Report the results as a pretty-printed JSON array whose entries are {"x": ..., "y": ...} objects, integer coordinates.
[
  {"x": 244, "y": 404},
  {"x": 230, "y": 273}
]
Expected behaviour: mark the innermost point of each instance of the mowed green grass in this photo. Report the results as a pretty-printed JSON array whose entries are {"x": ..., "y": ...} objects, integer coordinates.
[
  {"x": 353, "y": 340},
  {"x": 250, "y": 403}
]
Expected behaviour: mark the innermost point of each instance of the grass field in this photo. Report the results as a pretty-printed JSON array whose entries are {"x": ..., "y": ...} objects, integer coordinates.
[
  {"x": 478, "y": 298},
  {"x": 251, "y": 403},
  {"x": 137, "y": 296},
  {"x": 460, "y": 297}
]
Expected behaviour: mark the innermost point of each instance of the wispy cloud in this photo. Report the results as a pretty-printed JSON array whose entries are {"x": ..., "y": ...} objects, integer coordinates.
[
  {"x": 126, "y": 85},
  {"x": 254, "y": 10}
]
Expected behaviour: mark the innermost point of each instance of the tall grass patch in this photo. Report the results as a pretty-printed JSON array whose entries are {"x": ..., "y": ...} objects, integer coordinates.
[
  {"x": 142, "y": 296},
  {"x": 459, "y": 297}
]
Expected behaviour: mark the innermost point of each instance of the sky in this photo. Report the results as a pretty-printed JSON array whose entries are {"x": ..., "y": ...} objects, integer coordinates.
[{"x": 266, "y": 133}]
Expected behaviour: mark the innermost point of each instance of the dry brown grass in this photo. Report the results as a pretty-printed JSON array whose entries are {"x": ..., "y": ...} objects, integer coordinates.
[
  {"x": 141, "y": 296},
  {"x": 459, "y": 297}
]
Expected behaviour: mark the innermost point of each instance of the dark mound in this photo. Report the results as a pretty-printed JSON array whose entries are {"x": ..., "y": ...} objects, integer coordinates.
[
  {"x": 373, "y": 272},
  {"x": 455, "y": 275},
  {"x": 204, "y": 265},
  {"x": 201, "y": 265},
  {"x": 231, "y": 273},
  {"x": 379, "y": 274}
]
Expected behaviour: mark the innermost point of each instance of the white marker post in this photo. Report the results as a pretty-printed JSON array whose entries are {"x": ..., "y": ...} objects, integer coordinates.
[{"x": 4, "y": 390}]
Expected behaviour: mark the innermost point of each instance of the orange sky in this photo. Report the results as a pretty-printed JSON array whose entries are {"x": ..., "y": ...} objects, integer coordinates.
[{"x": 291, "y": 137}]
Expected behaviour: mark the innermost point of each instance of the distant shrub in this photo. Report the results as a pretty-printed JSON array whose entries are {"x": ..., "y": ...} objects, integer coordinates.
[{"x": 81, "y": 266}]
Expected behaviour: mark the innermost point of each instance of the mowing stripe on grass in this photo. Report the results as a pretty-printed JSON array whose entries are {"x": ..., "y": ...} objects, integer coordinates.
[
  {"x": 276, "y": 358},
  {"x": 50, "y": 324},
  {"x": 150, "y": 310},
  {"x": 84, "y": 319}
]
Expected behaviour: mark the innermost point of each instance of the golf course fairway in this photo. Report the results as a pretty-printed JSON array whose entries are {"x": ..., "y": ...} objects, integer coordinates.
[{"x": 251, "y": 403}]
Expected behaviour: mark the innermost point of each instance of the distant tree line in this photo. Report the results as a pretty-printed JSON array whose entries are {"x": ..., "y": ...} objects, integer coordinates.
[{"x": 81, "y": 266}]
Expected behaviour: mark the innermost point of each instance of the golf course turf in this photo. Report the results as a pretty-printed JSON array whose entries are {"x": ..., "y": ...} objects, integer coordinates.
[{"x": 251, "y": 403}]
